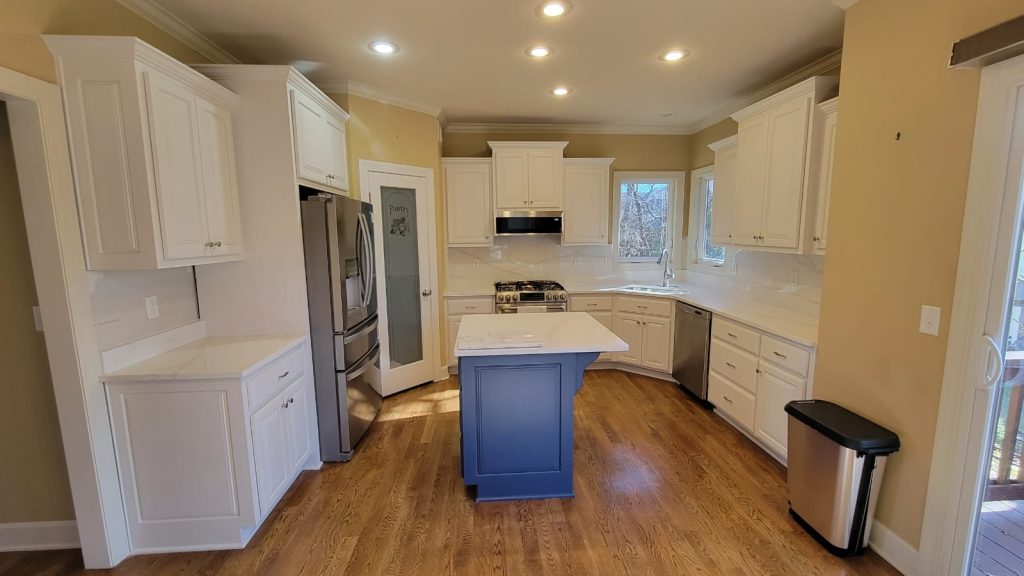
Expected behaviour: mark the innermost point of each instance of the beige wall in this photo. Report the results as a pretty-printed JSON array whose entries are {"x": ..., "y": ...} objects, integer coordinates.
[
  {"x": 700, "y": 154},
  {"x": 34, "y": 484},
  {"x": 896, "y": 215}
]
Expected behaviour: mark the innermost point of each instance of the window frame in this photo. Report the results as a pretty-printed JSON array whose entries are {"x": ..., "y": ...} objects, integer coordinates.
[
  {"x": 672, "y": 224},
  {"x": 698, "y": 225}
]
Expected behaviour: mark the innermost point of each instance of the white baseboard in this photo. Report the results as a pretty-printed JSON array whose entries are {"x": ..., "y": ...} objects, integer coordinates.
[
  {"x": 128, "y": 354},
  {"x": 57, "y": 535},
  {"x": 892, "y": 548}
]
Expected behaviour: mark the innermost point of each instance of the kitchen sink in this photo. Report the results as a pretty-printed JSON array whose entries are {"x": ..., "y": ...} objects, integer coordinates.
[{"x": 654, "y": 289}]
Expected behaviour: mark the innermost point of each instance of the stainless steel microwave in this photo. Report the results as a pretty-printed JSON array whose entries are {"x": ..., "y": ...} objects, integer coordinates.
[{"x": 527, "y": 223}]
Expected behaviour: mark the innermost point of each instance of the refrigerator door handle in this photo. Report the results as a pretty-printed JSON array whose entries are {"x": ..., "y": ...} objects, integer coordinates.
[
  {"x": 370, "y": 268},
  {"x": 350, "y": 338},
  {"x": 366, "y": 363}
]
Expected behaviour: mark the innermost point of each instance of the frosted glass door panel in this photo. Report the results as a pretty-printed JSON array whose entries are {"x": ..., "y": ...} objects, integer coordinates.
[{"x": 401, "y": 276}]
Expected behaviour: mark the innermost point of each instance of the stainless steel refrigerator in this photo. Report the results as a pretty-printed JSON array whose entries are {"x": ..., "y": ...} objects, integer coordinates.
[{"x": 341, "y": 283}]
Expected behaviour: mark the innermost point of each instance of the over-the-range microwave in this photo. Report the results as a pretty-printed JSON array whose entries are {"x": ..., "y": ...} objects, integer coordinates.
[{"x": 527, "y": 223}]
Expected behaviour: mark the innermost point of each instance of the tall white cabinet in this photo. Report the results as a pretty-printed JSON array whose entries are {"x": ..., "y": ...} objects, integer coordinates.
[
  {"x": 152, "y": 150},
  {"x": 725, "y": 190},
  {"x": 830, "y": 109},
  {"x": 468, "y": 200},
  {"x": 528, "y": 175},
  {"x": 321, "y": 153},
  {"x": 587, "y": 198}
]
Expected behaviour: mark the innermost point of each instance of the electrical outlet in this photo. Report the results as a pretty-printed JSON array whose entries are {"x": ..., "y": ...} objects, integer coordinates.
[
  {"x": 794, "y": 278},
  {"x": 930, "y": 316},
  {"x": 38, "y": 315},
  {"x": 152, "y": 308}
]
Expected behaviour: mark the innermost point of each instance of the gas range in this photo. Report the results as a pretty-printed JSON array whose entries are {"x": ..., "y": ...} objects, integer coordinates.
[{"x": 518, "y": 296}]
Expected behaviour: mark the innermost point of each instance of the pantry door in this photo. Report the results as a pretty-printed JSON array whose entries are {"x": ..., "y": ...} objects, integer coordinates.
[{"x": 403, "y": 214}]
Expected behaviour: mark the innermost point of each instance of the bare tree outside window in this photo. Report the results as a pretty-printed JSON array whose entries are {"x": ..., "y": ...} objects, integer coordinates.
[
  {"x": 707, "y": 251},
  {"x": 643, "y": 221}
]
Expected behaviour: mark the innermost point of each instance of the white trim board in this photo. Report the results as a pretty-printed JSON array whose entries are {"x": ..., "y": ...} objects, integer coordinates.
[
  {"x": 177, "y": 28},
  {"x": 133, "y": 352},
  {"x": 25, "y": 536},
  {"x": 892, "y": 548}
]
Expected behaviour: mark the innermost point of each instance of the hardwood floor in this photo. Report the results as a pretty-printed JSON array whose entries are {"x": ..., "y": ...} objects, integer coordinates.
[{"x": 662, "y": 487}]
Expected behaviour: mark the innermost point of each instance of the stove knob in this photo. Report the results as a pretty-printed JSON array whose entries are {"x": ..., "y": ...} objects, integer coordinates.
[{"x": 561, "y": 296}]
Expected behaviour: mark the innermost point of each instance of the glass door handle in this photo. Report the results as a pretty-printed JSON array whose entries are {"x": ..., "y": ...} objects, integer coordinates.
[{"x": 993, "y": 363}]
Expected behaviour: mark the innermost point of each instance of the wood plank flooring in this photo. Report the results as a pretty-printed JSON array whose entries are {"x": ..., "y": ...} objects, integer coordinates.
[{"x": 662, "y": 487}]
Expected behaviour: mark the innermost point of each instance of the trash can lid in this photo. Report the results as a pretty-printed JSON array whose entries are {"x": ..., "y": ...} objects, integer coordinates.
[{"x": 846, "y": 428}]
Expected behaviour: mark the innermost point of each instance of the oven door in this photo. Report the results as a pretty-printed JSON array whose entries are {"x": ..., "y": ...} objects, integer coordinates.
[{"x": 529, "y": 308}]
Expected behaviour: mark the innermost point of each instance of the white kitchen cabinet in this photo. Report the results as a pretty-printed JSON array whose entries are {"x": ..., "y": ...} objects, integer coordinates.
[
  {"x": 646, "y": 325},
  {"x": 528, "y": 175},
  {"x": 657, "y": 344},
  {"x": 456, "y": 307},
  {"x": 725, "y": 188},
  {"x": 775, "y": 389},
  {"x": 203, "y": 460},
  {"x": 153, "y": 155},
  {"x": 775, "y": 165},
  {"x": 319, "y": 136},
  {"x": 453, "y": 335},
  {"x": 830, "y": 109},
  {"x": 587, "y": 197},
  {"x": 606, "y": 320},
  {"x": 630, "y": 328},
  {"x": 468, "y": 197},
  {"x": 600, "y": 307}
]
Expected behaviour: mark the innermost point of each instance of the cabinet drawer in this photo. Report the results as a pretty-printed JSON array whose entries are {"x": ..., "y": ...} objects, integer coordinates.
[
  {"x": 590, "y": 303},
  {"x": 738, "y": 366},
  {"x": 732, "y": 400},
  {"x": 736, "y": 335},
  {"x": 646, "y": 306},
  {"x": 787, "y": 356},
  {"x": 471, "y": 306},
  {"x": 269, "y": 381}
]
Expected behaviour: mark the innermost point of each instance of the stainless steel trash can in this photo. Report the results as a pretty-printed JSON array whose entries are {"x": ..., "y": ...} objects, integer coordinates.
[{"x": 836, "y": 461}]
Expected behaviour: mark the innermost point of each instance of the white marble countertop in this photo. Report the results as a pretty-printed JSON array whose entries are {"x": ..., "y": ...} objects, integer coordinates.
[
  {"x": 567, "y": 333},
  {"x": 209, "y": 358},
  {"x": 799, "y": 327}
]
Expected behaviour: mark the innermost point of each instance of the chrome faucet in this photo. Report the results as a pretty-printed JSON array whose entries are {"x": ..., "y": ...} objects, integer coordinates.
[{"x": 667, "y": 272}]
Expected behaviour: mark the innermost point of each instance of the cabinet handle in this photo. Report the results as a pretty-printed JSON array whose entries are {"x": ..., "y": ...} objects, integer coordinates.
[
  {"x": 217, "y": 244},
  {"x": 591, "y": 305},
  {"x": 291, "y": 400},
  {"x": 209, "y": 244},
  {"x": 726, "y": 398},
  {"x": 816, "y": 238},
  {"x": 331, "y": 176},
  {"x": 730, "y": 365},
  {"x": 285, "y": 405},
  {"x": 779, "y": 354},
  {"x": 286, "y": 373},
  {"x": 731, "y": 335}
]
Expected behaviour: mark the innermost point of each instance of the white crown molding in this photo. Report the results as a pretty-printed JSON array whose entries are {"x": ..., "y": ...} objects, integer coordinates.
[
  {"x": 176, "y": 27},
  {"x": 484, "y": 128},
  {"x": 353, "y": 88},
  {"x": 844, "y": 4},
  {"x": 724, "y": 143},
  {"x": 821, "y": 66}
]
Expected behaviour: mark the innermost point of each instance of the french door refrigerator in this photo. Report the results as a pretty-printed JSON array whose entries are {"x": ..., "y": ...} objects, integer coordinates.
[{"x": 341, "y": 281}]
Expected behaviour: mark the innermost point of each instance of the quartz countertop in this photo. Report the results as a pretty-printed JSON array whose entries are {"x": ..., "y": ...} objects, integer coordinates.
[
  {"x": 566, "y": 333},
  {"x": 209, "y": 358}
]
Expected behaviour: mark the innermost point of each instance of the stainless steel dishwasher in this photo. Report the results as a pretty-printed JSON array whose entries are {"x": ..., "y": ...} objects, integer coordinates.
[{"x": 691, "y": 348}]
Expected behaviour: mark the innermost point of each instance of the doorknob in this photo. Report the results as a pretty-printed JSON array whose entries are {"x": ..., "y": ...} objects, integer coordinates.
[
  {"x": 426, "y": 292},
  {"x": 993, "y": 363}
]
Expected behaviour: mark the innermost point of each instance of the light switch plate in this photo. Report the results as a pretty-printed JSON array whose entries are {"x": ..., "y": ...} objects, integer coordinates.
[
  {"x": 38, "y": 315},
  {"x": 152, "y": 308},
  {"x": 930, "y": 316}
]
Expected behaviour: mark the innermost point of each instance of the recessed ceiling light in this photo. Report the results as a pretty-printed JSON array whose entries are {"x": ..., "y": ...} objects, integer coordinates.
[
  {"x": 560, "y": 91},
  {"x": 539, "y": 52},
  {"x": 382, "y": 47},
  {"x": 554, "y": 8},
  {"x": 673, "y": 55}
]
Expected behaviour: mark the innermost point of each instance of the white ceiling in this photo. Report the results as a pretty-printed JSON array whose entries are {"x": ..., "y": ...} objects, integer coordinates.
[{"x": 468, "y": 56}]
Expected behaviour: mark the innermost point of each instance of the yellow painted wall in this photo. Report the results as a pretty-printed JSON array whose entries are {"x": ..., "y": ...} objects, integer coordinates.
[
  {"x": 896, "y": 215},
  {"x": 37, "y": 488},
  {"x": 700, "y": 154}
]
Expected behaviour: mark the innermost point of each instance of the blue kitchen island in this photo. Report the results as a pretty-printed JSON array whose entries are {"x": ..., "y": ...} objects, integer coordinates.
[{"x": 518, "y": 377}]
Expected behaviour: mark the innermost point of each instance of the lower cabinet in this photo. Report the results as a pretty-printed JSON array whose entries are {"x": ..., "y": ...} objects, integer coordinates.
[
  {"x": 600, "y": 307},
  {"x": 646, "y": 325},
  {"x": 775, "y": 389},
  {"x": 630, "y": 328},
  {"x": 657, "y": 345},
  {"x": 456, "y": 307},
  {"x": 202, "y": 462}
]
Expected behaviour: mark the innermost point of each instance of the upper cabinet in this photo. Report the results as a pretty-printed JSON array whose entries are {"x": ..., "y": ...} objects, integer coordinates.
[
  {"x": 321, "y": 158},
  {"x": 777, "y": 167},
  {"x": 830, "y": 109},
  {"x": 725, "y": 189},
  {"x": 152, "y": 151},
  {"x": 528, "y": 175},
  {"x": 467, "y": 185},
  {"x": 587, "y": 196}
]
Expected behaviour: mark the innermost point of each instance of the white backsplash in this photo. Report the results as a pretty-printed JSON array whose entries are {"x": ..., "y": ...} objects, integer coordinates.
[{"x": 761, "y": 276}]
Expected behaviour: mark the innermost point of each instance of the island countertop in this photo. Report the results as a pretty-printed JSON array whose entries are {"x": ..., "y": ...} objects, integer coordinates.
[{"x": 516, "y": 334}]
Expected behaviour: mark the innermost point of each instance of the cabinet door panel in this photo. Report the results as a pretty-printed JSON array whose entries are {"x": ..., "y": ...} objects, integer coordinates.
[
  {"x": 337, "y": 155},
  {"x": 751, "y": 168},
  {"x": 586, "y": 205},
  {"x": 296, "y": 417},
  {"x": 453, "y": 335},
  {"x": 219, "y": 183},
  {"x": 510, "y": 180},
  {"x": 722, "y": 201},
  {"x": 630, "y": 328},
  {"x": 177, "y": 167},
  {"x": 784, "y": 190},
  {"x": 468, "y": 199},
  {"x": 657, "y": 344},
  {"x": 311, "y": 140},
  {"x": 825, "y": 183},
  {"x": 545, "y": 179},
  {"x": 774, "y": 390},
  {"x": 270, "y": 452}
]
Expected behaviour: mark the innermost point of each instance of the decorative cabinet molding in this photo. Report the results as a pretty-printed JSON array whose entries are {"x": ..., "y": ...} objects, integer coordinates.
[
  {"x": 777, "y": 167},
  {"x": 587, "y": 197},
  {"x": 528, "y": 175},
  {"x": 830, "y": 109},
  {"x": 468, "y": 196},
  {"x": 725, "y": 190},
  {"x": 153, "y": 155}
]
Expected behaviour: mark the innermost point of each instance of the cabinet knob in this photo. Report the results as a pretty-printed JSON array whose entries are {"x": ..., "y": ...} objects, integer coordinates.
[
  {"x": 217, "y": 244},
  {"x": 816, "y": 238},
  {"x": 285, "y": 405},
  {"x": 208, "y": 244},
  {"x": 331, "y": 176},
  {"x": 291, "y": 400}
]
